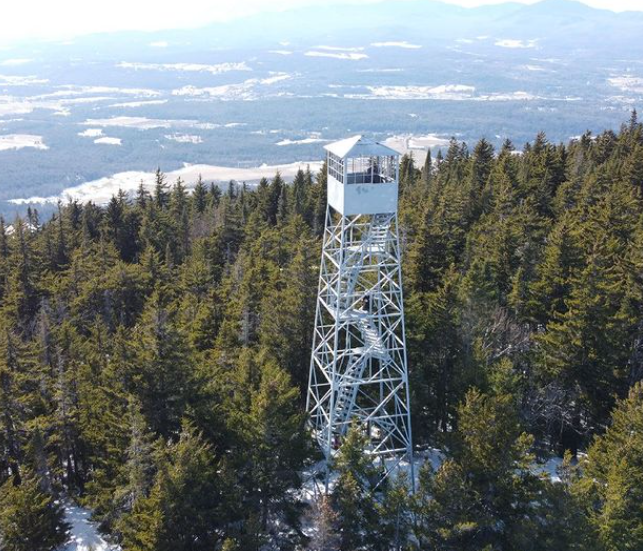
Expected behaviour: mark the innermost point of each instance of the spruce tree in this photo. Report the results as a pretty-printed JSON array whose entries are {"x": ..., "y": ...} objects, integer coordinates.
[
  {"x": 31, "y": 520},
  {"x": 612, "y": 485}
]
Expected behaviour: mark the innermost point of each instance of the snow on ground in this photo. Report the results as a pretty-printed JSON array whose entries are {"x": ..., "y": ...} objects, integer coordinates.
[
  {"x": 215, "y": 69},
  {"x": 140, "y": 123},
  {"x": 280, "y": 52},
  {"x": 382, "y": 70},
  {"x": 408, "y": 143},
  {"x": 108, "y": 141},
  {"x": 442, "y": 92},
  {"x": 246, "y": 90},
  {"x": 84, "y": 535},
  {"x": 353, "y": 56},
  {"x": 551, "y": 468},
  {"x": 512, "y": 43},
  {"x": 20, "y": 141},
  {"x": 627, "y": 83},
  {"x": 159, "y": 44},
  {"x": 312, "y": 139},
  {"x": 533, "y": 68},
  {"x": 15, "y": 80},
  {"x": 402, "y": 44},
  {"x": 91, "y": 133},
  {"x": 140, "y": 103},
  {"x": 78, "y": 90},
  {"x": 15, "y": 62},
  {"x": 184, "y": 138},
  {"x": 511, "y": 96},
  {"x": 143, "y": 123},
  {"x": 340, "y": 48},
  {"x": 63, "y": 98},
  {"x": 101, "y": 191}
]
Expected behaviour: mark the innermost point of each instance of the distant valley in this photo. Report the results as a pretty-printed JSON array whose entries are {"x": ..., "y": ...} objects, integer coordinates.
[{"x": 272, "y": 90}]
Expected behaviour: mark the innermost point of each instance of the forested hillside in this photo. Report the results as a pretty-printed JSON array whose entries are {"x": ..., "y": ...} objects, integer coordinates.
[{"x": 154, "y": 357}]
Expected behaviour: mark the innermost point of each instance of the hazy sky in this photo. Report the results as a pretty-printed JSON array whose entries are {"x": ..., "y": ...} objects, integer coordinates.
[{"x": 65, "y": 18}]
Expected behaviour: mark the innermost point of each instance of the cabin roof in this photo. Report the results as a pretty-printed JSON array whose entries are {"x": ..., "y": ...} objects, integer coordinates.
[{"x": 359, "y": 146}]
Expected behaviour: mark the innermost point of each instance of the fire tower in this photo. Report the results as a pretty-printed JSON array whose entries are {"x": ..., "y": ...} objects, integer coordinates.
[{"x": 358, "y": 369}]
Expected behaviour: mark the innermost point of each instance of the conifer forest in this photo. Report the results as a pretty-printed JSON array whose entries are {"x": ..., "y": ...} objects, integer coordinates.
[{"x": 154, "y": 359}]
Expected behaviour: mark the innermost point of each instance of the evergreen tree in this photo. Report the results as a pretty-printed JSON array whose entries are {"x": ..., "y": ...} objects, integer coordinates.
[
  {"x": 31, "y": 520},
  {"x": 200, "y": 196},
  {"x": 612, "y": 485},
  {"x": 484, "y": 493},
  {"x": 352, "y": 496}
]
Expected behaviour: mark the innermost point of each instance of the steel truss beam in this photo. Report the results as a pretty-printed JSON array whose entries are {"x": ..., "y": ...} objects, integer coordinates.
[{"x": 358, "y": 369}]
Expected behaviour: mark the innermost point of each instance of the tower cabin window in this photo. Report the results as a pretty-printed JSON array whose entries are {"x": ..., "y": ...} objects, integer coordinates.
[
  {"x": 336, "y": 167},
  {"x": 363, "y": 170}
]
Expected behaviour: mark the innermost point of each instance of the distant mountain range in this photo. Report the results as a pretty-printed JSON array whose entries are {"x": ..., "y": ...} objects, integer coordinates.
[
  {"x": 428, "y": 22},
  {"x": 272, "y": 88}
]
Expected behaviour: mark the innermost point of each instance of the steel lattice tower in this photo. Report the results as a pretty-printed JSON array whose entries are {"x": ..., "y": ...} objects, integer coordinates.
[{"x": 358, "y": 369}]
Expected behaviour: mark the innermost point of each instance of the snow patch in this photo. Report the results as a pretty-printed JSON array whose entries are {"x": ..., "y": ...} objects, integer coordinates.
[
  {"x": 140, "y": 103},
  {"x": 91, "y": 133},
  {"x": 15, "y": 62},
  {"x": 76, "y": 90},
  {"x": 516, "y": 44},
  {"x": 143, "y": 123},
  {"x": 510, "y": 96},
  {"x": 340, "y": 48},
  {"x": 108, "y": 141},
  {"x": 159, "y": 44},
  {"x": 627, "y": 83},
  {"x": 101, "y": 191},
  {"x": 215, "y": 69},
  {"x": 383, "y": 70},
  {"x": 309, "y": 140},
  {"x": 184, "y": 138},
  {"x": 280, "y": 52},
  {"x": 16, "y": 80},
  {"x": 246, "y": 90},
  {"x": 20, "y": 141},
  {"x": 84, "y": 535},
  {"x": 352, "y": 56},
  {"x": 402, "y": 44},
  {"x": 533, "y": 68},
  {"x": 442, "y": 92}
]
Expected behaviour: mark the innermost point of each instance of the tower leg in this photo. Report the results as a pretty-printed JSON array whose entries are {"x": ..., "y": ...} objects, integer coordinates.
[{"x": 358, "y": 369}]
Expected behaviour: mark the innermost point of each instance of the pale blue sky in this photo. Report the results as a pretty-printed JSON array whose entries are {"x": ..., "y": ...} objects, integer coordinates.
[{"x": 65, "y": 18}]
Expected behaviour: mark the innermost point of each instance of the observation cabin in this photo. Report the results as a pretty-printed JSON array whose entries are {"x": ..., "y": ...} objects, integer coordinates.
[{"x": 362, "y": 176}]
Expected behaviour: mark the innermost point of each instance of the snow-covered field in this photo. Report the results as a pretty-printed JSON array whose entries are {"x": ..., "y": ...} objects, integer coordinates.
[
  {"x": 627, "y": 83},
  {"x": 402, "y": 44},
  {"x": 19, "y": 141},
  {"x": 311, "y": 139},
  {"x": 352, "y": 56},
  {"x": 215, "y": 69},
  {"x": 91, "y": 133},
  {"x": 101, "y": 191},
  {"x": 250, "y": 89},
  {"x": 512, "y": 43},
  {"x": 108, "y": 141},
  {"x": 184, "y": 138},
  {"x": 143, "y": 123},
  {"x": 84, "y": 536},
  {"x": 416, "y": 145}
]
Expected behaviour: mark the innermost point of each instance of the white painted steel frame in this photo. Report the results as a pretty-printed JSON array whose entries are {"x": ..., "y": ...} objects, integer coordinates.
[{"x": 358, "y": 370}]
